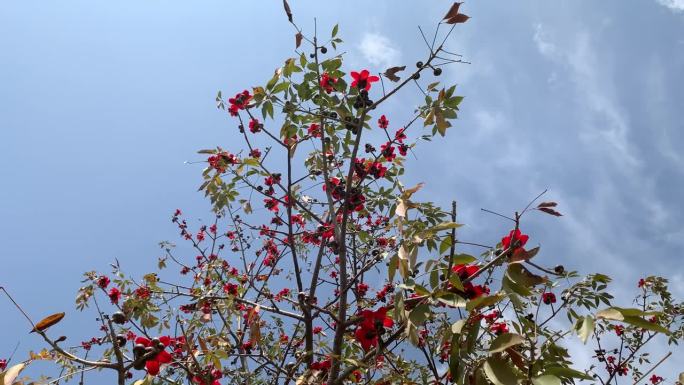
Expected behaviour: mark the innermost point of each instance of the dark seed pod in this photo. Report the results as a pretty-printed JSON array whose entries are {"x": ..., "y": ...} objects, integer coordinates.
[
  {"x": 324, "y": 50},
  {"x": 121, "y": 340},
  {"x": 119, "y": 318},
  {"x": 419, "y": 64},
  {"x": 416, "y": 76},
  {"x": 559, "y": 269},
  {"x": 437, "y": 71},
  {"x": 139, "y": 364}
]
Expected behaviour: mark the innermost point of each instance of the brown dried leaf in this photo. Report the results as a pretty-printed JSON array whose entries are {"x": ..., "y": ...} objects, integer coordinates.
[
  {"x": 47, "y": 322},
  {"x": 548, "y": 204},
  {"x": 391, "y": 73},
  {"x": 453, "y": 11},
  {"x": 550, "y": 211},
  {"x": 298, "y": 39},
  {"x": 288, "y": 11},
  {"x": 460, "y": 18}
]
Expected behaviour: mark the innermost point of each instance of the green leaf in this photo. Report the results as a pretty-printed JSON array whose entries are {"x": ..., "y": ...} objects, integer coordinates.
[
  {"x": 335, "y": 30},
  {"x": 586, "y": 328},
  {"x": 566, "y": 372},
  {"x": 546, "y": 379},
  {"x": 500, "y": 372},
  {"x": 462, "y": 259},
  {"x": 484, "y": 301},
  {"x": 420, "y": 314},
  {"x": 452, "y": 299},
  {"x": 644, "y": 324},
  {"x": 457, "y": 326},
  {"x": 505, "y": 341}
]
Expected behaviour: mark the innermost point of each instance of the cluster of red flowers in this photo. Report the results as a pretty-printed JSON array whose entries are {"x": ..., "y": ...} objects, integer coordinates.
[
  {"x": 361, "y": 289},
  {"x": 221, "y": 160},
  {"x": 363, "y": 168},
  {"x": 239, "y": 102},
  {"x": 163, "y": 357},
  {"x": 372, "y": 325},
  {"x": 655, "y": 379},
  {"x": 499, "y": 328},
  {"x": 3, "y": 364}
]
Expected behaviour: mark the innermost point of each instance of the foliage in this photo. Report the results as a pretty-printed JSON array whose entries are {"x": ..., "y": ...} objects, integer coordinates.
[{"x": 310, "y": 216}]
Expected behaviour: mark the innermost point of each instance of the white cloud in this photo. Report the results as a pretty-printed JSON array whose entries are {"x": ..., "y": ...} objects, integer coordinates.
[
  {"x": 675, "y": 5},
  {"x": 379, "y": 50},
  {"x": 544, "y": 46},
  {"x": 607, "y": 124}
]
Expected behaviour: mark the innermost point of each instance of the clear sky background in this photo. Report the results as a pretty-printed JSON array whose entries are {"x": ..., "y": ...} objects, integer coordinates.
[{"x": 102, "y": 102}]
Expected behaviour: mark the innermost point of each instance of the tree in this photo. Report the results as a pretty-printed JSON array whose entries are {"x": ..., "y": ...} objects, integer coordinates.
[{"x": 283, "y": 295}]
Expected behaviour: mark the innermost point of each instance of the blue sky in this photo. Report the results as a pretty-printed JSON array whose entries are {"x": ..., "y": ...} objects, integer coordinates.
[{"x": 101, "y": 104}]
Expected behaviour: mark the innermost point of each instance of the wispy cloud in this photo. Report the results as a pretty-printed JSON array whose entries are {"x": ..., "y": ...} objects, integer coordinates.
[
  {"x": 675, "y": 5},
  {"x": 379, "y": 50}
]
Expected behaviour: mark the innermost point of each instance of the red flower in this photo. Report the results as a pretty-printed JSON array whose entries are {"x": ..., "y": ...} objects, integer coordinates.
[
  {"x": 239, "y": 102},
  {"x": 271, "y": 204},
  {"x": 514, "y": 238},
  {"x": 255, "y": 126},
  {"x": 3, "y": 364},
  {"x": 143, "y": 292},
  {"x": 387, "y": 150},
  {"x": 656, "y": 379},
  {"x": 499, "y": 328},
  {"x": 327, "y": 82},
  {"x": 548, "y": 298},
  {"x": 114, "y": 295},
  {"x": 314, "y": 130},
  {"x": 372, "y": 324},
  {"x": 362, "y": 289},
  {"x": 163, "y": 357},
  {"x": 383, "y": 122},
  {"x": 642, "y": 283},
  {"x": 465, "y": 271},
  {"x": 255, "y": 153},
  {"x": 362, "y": 80},
  {"x": 619, "y": 330},
  {"x": 103, "y": 281}
]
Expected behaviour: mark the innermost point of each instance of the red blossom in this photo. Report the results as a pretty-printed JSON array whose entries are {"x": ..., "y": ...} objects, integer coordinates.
[
  {"x": 314, "y": 130},
  {"x": 373, "y": 323},
  {"x": 362, "y": 80},
  {"x": 515, "y": 239},
  {"x": 499, "y": 328},
  {"x": 103, "y": 281},
  {"x": 327, "y": 82},
  {"x": 114, "y": 295},
  {"x": 163, "y": 357},
  {"x": 239, "y": 102},
  {"x": 383, "y": 122},
  {"x": 255, "y": 126},
  {"x": 548, "y": 298},
  {"x": 255, "y": 153}
]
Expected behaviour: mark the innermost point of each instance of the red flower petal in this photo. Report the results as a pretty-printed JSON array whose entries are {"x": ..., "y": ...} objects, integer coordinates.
[
  {"x": 152, "y": 367},
  {"x": 143, "y": 341},
  {"x": 164, "y": 357}
]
